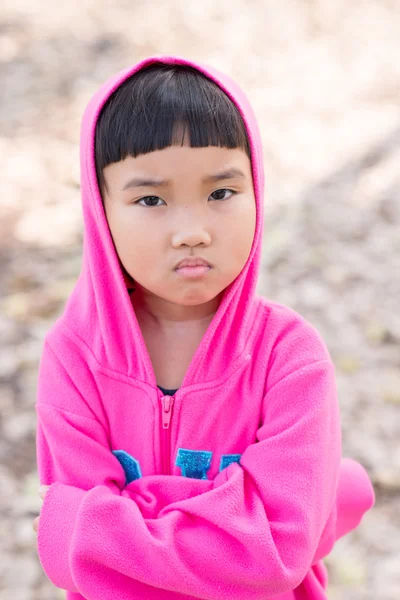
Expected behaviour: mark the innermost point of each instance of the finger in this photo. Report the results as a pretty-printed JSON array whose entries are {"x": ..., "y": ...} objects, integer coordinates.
[{"x": 43, "y": 490}]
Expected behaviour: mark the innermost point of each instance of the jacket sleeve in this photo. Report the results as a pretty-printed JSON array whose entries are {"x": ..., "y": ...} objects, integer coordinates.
[
  {"x": 72, "y": 449},
  {"x": 253, "y": 532}
]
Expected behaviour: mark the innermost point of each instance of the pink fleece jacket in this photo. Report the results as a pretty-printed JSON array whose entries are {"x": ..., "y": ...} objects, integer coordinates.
[{"x": 233, "y": 488}]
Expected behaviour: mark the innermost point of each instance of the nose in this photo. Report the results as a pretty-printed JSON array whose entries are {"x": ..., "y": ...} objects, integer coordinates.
[{"x": 190, "y": 231}]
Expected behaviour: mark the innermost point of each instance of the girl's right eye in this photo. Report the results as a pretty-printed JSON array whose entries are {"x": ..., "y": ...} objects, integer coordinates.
[{"x": 145, "y": 198}]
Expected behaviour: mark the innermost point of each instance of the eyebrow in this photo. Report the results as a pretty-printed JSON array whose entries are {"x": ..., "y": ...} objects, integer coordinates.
[{"x": 148, "y": 182}]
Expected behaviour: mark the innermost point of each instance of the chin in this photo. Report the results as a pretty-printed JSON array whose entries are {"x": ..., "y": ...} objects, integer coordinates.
[{"x": 194, "y": 299}]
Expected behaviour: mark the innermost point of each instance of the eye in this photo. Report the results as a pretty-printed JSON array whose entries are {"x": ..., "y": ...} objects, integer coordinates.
[
  {"x": 146, "y": 198},
  {"x": 153, "y": 199},
  {"x": 223, "y": 190}
]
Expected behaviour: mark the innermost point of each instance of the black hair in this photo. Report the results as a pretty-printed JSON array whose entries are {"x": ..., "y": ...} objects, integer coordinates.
[{"x": 152, "y": 109}]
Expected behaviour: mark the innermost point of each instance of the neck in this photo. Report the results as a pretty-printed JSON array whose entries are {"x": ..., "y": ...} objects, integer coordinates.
[{"x": 158, "y": 313}]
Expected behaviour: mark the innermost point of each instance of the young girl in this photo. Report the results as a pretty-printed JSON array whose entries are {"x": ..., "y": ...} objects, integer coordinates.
[{"x": 188, "y": 429}]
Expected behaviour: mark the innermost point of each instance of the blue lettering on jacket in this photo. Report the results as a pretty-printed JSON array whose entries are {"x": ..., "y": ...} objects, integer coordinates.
[
  {"x": 193, "y": 463},
  {"x": 227, "y": 459},
  {"x": 130, "y": 465}
]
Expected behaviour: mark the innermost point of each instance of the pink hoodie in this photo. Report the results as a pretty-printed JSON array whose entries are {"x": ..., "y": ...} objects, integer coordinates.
[{"x": 233, "y": 488}]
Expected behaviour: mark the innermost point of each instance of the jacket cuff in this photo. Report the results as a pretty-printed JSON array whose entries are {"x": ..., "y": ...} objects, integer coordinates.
[{"x": 56, "y": 525}]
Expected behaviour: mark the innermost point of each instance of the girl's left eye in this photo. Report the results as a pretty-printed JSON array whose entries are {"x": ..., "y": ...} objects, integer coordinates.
[{"x": 223, "y": 190}]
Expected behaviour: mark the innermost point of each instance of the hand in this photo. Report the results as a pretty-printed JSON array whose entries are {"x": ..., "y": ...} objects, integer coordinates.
[{"x": 42, "y": 493}]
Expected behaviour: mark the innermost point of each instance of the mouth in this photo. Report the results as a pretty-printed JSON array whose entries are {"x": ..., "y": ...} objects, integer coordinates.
[
  {"x": 191, "y": 272},
  {"x": 192, "y": 261}
]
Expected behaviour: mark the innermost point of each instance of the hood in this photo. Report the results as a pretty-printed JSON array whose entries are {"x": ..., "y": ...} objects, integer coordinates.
[{"x": 99, "y": 310}]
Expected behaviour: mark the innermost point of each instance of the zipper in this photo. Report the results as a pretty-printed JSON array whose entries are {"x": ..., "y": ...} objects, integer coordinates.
[{"x": 167, "y": 403}]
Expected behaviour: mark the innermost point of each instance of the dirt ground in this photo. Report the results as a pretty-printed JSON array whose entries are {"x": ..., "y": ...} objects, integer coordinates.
[{"x": 324, "y": 80}]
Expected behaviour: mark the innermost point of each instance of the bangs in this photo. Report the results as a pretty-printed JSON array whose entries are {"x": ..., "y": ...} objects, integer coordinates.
[{"x": 161, "y": 106}]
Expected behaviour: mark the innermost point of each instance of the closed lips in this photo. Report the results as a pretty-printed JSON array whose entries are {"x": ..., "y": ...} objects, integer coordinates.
[{"x": 195, "y": 262}]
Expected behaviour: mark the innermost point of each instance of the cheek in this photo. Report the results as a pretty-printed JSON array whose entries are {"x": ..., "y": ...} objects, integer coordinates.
[
  {"x": 133, "y": 240},
  {"x": 241, "y": 233}
]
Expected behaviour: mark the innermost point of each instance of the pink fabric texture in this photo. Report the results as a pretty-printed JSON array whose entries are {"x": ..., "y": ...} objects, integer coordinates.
[{"x": 246, "y": 491}]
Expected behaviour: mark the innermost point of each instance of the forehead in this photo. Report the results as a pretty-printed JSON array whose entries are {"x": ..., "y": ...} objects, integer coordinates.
[{"x": 177, "y": 162}]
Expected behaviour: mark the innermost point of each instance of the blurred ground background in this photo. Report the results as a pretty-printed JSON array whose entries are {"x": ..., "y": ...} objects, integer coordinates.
[{"x": 324, "y": 80}]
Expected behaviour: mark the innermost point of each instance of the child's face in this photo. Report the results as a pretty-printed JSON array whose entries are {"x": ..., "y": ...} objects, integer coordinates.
[{"x": 182, "y": 218}]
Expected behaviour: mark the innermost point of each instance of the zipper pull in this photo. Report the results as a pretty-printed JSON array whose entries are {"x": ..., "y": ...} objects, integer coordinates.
[{"x": 167, "y": 402}]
